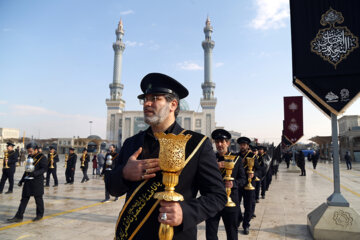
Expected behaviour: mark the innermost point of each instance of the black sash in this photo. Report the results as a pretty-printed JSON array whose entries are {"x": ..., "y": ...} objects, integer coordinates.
[{"x": 142, "y": 203}]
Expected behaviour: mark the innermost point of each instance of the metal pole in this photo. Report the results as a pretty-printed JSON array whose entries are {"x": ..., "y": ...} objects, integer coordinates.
[
  {"x": 336, "y": 199},
  {"x": 90, "y": 126}
]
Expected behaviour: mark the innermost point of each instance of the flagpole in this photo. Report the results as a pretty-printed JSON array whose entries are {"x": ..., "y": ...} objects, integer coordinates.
[{"x": 336, "y": 199}]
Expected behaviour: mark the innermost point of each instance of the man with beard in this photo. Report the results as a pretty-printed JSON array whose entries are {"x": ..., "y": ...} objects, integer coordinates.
[
  {"x": 53, "y": 159},
  {"x": 9, "y": 168},
  {"x": 70, "y": 166},
  {"x": 33, "y": 185},
  {"x": 229, "y": 215},
  {"x": 85, "y": 159},
  {"x": 138, "y": 173},
  {"x": 113, "y": 156},
  {"x": 248, "y": 195}
]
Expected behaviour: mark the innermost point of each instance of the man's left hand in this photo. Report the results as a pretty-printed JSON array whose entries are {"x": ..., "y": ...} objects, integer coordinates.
[{"x": 173, "y": 212}]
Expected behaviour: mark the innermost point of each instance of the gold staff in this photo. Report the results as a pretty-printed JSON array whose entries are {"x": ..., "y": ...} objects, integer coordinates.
[
  {"x": 52, "y": 160},
  {"x": 171, "y": 162},
  {"x": 229, "y": 166},
  {"x": 6, "y": 154},
  {"x": 250, "y": 164},
  {"x": 66, "y": 159}
]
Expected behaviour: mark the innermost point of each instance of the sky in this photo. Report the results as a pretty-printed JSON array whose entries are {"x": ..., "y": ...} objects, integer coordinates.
[{"x": 56, "y": 62}]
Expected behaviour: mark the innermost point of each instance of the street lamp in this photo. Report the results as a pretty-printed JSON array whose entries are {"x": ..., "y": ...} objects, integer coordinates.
[{"x": 90, "y": 126}]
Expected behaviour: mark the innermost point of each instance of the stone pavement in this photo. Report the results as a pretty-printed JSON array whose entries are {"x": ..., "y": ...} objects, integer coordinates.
[{"x": 75, "y": 211}]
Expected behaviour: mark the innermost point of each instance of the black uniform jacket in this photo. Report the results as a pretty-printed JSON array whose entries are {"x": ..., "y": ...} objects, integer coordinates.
[
  {"x": 71, "y": 162},
  {"x": 261, "y": 172},
  {"x": 240, "y": 180},
  {"x": 35, "y": 187},
  {"x": 201, "y": 174},
  {"x": 56, "y": 159},
  {"x": 86, "y": 162},
  {"x": 12, "y": 159}
]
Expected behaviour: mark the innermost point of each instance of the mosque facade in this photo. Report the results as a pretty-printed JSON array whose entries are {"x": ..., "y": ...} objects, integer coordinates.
[{"x": 123, "y": 124}]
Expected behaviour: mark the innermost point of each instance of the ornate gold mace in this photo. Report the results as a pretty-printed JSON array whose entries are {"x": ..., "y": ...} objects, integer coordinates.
[
  {"x": 229, "y": 166},
  {"x": 171, "y": 161},
  {"x": 250, "y": 164}
]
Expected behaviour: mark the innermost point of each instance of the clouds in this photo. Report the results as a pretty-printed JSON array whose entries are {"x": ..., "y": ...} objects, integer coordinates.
[
  {"x": 219, "y": 64},
  {"x": 134, "y": 44},
  {"x": 127, "y": 12},
  {"x": 3, "y": 102},
  {"x": 271, "y": 14},
  {"x": 189, "y": 66}
]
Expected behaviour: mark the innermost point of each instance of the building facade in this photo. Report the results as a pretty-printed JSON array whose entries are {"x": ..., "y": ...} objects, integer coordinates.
[
  {"x": 349, "y": 136},
  {"x": 124, "y": 124}
]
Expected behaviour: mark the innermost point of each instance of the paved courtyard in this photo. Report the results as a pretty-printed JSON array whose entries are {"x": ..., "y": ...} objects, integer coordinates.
[{"x": 75, "y": 211}]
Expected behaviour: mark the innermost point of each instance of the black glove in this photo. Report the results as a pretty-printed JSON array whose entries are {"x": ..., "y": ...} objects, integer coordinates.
[{"x": 20, "y": 184}]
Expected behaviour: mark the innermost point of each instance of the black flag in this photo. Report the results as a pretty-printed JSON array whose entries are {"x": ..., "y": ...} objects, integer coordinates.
[{"x": 325, "y": 51}]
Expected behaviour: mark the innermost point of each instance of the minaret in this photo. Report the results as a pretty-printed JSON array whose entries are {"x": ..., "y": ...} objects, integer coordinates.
[
  {"x": 115, "y": 104},
  {"x": 208, "y": 101},
  {"x": 116, "y": 87}
]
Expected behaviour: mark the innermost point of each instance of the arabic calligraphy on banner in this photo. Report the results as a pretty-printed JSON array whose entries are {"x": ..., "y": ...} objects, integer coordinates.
[{"x": 334, "y": 43}]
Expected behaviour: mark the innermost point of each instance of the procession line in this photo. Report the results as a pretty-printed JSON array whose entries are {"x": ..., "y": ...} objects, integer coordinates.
[
  {"x": 331, "y": 180},
  {"x": 53, "y": 215}
]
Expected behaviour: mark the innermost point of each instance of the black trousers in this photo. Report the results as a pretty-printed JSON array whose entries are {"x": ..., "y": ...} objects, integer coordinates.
[
  {"x": 303, "y": 171},
  {"x": 287, "y": 164},
  {"x": 263, "y": 187},
  {"x": 69, "y": 175},
  {"x": 230, "y": 222},
  {"x": 85, "y": 176},
  {"x": 51, "y": 171},
  {"x": 314, "y": 164},
  {"x": 7, "y": 174},
  {"x": 23, "y": 203},
  {"x": 268, "y": 179},
  {"x": 257, "y": 189},
  {"x": 248, "y": 197}
]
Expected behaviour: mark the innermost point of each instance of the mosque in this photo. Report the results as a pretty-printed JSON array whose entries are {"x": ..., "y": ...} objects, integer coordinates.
[{"x": 123, "y": 124}]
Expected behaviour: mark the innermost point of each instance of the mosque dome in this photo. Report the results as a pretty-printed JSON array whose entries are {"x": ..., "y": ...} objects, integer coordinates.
[
  {"x": 94, "y": 137},
  {"x": 184, "y": 106}
]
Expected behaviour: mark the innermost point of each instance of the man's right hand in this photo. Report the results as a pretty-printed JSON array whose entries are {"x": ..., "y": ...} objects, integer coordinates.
[
  {"x": 19, "y": 184},
  {"x": 221, "y": 164},
  {"x": 137, "y": 170}
]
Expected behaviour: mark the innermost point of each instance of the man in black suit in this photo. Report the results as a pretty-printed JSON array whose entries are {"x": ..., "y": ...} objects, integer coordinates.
[
  {"x": 248, "y": 195},
  {"x": 9, "y": 167},
  {"x": 229, "y": 214},
  {"x": 53, "y": 159},
  {"x": 111, "y": 157},
  {"x": 33, "y": 184},
  {"x": 70, "y": 166},
  {"x": 137, "y": 173}
]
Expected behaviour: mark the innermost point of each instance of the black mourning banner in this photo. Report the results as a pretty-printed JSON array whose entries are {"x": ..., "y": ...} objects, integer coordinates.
[{"x": 325, "y": 51}]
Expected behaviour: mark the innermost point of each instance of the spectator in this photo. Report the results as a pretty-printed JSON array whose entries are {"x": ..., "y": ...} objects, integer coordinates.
[
  {"x": 101, "y": 161},
  {"x": 94, "y": 161},
  {"x": 348, "y": 160}
]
